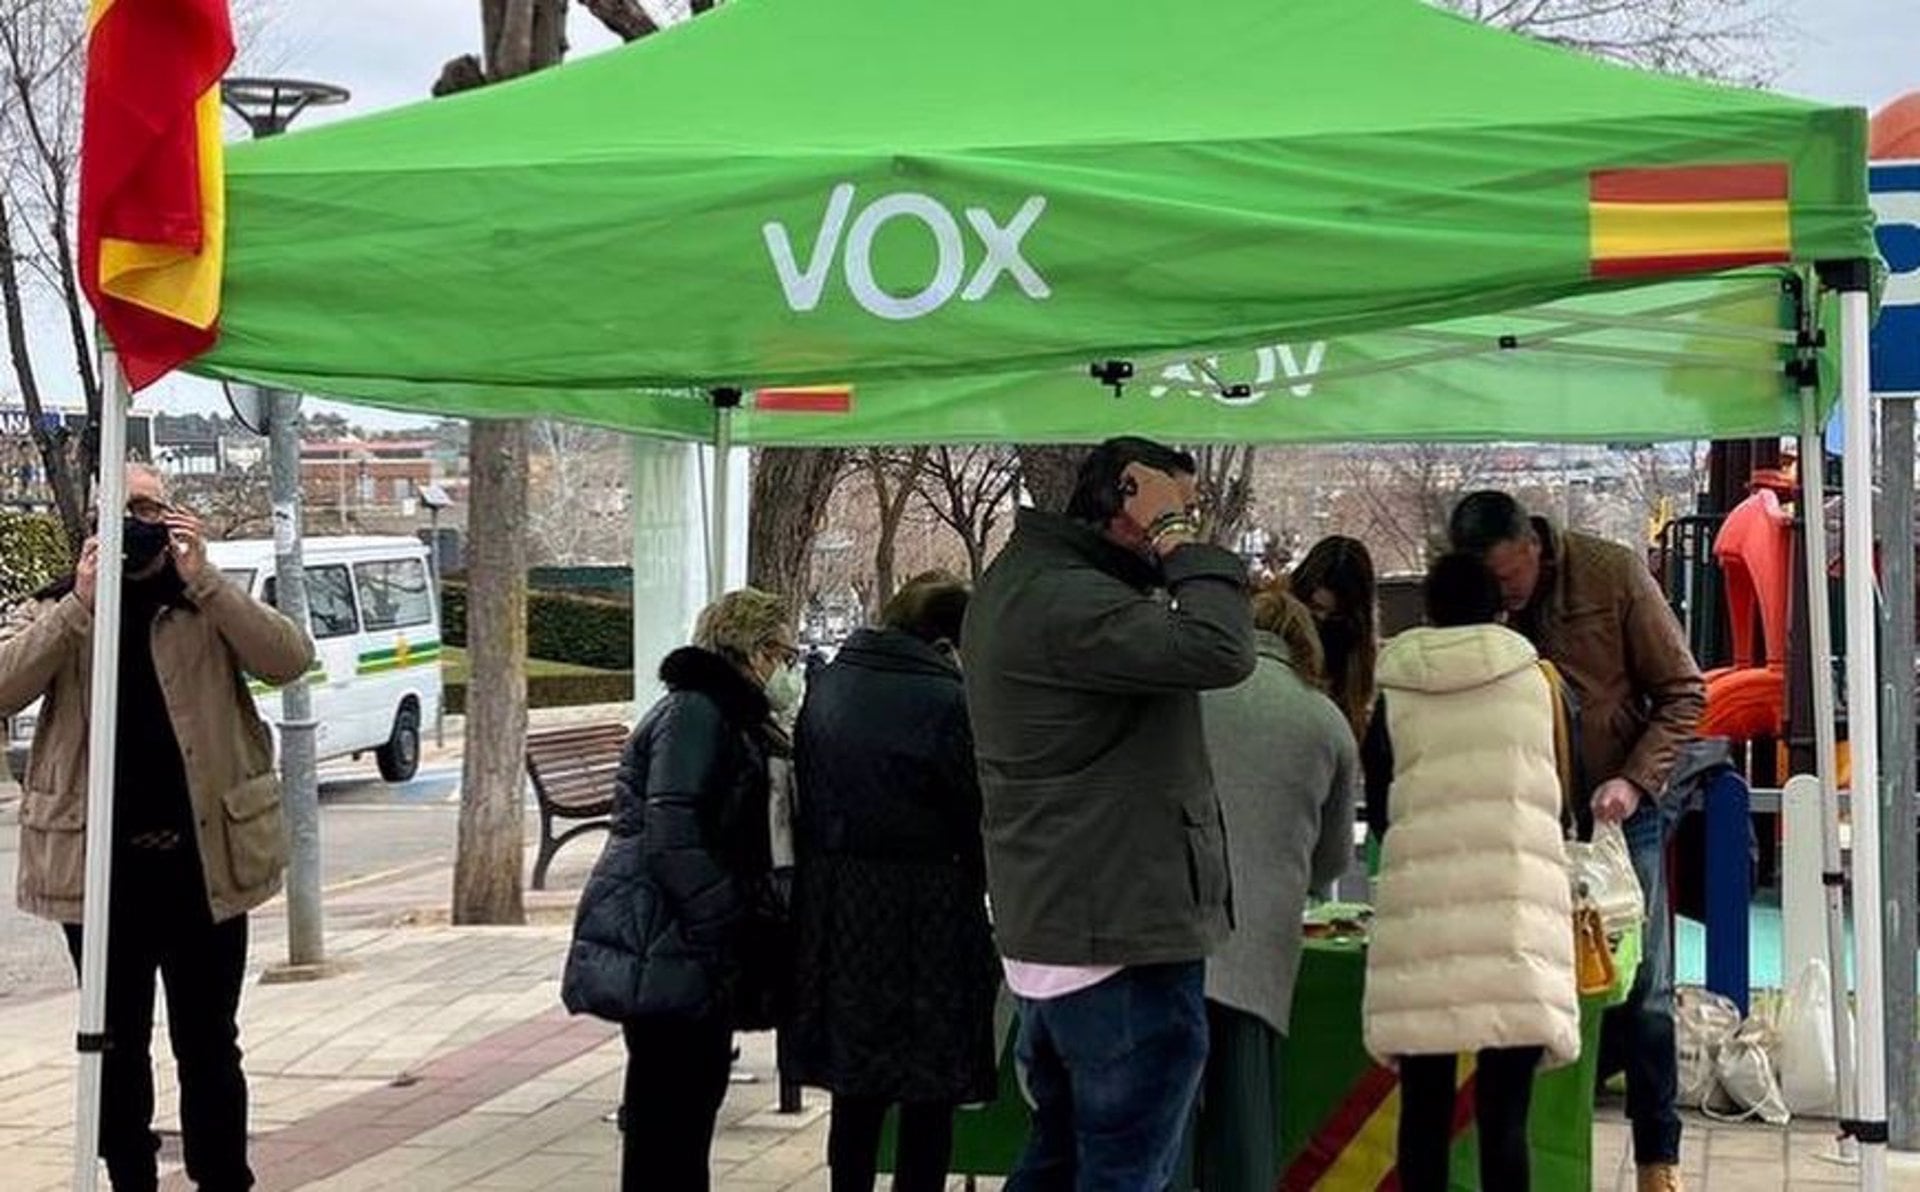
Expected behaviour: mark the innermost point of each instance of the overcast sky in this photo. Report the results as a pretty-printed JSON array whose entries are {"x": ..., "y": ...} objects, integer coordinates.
[{"x": 388, "y": 52}]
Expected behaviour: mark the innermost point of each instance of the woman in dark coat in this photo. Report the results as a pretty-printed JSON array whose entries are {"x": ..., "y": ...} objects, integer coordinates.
[
  {"x": 678, "y": 933},
  {"x": 897, "y": 974}
]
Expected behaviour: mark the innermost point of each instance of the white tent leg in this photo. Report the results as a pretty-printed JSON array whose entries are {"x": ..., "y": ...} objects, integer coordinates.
[
  {"x": 1813, "y": 488},
  {"x": 112, "y": 500},
  {"x": 1863, "y": 734},
  {"x": 720, "y": 505}
]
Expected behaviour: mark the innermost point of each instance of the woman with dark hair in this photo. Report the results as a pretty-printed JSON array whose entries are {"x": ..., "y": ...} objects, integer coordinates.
[
  {"x": 1472, "y": 951},
  {"x": 678, "y": 933},
  {"x": 1336, "y": 583},
  {"x": 897, "y": 971}
]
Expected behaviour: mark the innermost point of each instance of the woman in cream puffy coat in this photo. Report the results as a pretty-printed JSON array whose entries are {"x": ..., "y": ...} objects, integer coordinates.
[{"x": 1472, "y": 943}]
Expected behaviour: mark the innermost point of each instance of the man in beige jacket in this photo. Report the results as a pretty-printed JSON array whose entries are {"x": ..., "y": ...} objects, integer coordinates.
[{"x": 197, "y": 833}]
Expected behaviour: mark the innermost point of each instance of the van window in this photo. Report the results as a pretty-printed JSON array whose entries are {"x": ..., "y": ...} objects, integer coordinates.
[
  {"x": 394, "y": 593},
  {"x": 329, "y": 600},
  {"x": 239, "y": 577}
]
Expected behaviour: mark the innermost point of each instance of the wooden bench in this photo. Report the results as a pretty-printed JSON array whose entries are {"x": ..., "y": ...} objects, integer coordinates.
[{"x": 572, "y": 770}]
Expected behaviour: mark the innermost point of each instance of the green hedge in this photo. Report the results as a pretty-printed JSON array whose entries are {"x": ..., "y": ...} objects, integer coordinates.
[
  {"x": 33, "y": 553},
  {"x": 558, "y": 691},
  {"x": 560, "y": 627}
]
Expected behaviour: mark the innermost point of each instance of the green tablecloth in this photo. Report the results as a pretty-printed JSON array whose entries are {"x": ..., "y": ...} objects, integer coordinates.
[{"x": 1328, "y": 1084}]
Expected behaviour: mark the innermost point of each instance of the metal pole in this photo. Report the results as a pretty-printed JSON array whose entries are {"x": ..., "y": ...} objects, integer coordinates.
[
  {"x": 1813, "y": 517},
  {"x": 102, "y": 727},
  {"x": 433, "y": 564},
  {"x": 725, "y": 401},
  {"x": 1897, "y": 785},
  {"x": 300, "y": 784},
  {"x": 1863, "y": 728}
]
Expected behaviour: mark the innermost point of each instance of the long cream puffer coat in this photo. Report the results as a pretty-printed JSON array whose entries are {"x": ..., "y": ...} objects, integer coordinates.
[{"x": 1472, "y": 939}]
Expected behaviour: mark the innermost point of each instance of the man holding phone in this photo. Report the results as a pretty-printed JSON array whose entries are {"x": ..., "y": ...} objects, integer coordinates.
[
  {"x": 1086, "y": 648},
  {"x": 197, "y": 834}
]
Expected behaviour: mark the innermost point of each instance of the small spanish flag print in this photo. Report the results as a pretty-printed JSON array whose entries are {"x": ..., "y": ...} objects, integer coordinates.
[
  {"x": 805, "y": 399},
  {"x": 1690, "y": 219}
]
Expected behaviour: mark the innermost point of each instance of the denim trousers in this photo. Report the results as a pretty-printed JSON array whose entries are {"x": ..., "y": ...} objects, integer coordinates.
[
  {"x": 1640, "y": 1032},
  {"x": 1113, "y": 1072}
]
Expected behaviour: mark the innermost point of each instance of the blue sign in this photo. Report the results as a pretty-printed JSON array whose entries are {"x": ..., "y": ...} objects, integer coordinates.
[{"x": 1896, "y": 336}]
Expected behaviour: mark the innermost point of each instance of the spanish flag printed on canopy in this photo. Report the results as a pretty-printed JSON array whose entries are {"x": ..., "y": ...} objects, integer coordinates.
[
  {"x": 1690, "y": 219},
  {"x": 152, "y": 197}
]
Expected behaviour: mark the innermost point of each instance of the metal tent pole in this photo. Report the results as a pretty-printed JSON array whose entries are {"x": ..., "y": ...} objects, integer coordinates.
[
  {"x": 725, "y": 403},
  {"x": 1813, "y": 499},
  {"x": 1863, "y": 722},
  {"x": 1897, "y": 784},
  {"x": 103, "y": 725}
]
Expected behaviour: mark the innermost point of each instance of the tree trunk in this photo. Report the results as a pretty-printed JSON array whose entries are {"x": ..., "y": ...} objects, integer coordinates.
[
  {"x": 53, "y": 456},
  {"x": 892, "y": 494},
  {"x": 1048, "y": 475},
  {"x": 791, "y": 488},
  {"x": 487, "y": 867}
]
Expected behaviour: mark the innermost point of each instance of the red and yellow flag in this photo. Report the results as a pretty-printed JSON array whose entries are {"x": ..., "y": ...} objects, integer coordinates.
[
  {"x": 152, "y": 192},
  {"x": 1690, "y": 219},
  {"x": 805, "y": 399}
]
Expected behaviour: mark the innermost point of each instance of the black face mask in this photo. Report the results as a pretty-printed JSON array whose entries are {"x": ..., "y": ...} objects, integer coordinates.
[{"x": 145, "y": 541}]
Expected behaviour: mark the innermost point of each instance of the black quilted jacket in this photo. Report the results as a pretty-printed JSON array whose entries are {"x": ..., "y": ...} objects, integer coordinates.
[{"x": 674, "y": 920}]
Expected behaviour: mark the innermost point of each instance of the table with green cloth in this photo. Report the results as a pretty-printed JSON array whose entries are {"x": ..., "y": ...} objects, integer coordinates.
[{"x": 1339, "y": 1109}]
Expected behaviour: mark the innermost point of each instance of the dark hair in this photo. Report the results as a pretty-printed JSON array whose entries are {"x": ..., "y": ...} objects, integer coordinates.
[
  {"x": 931, "y": 606},
  {"x": 1484, "y": 520},
  {"x": 1461, "y": 590},
  {"x": 1097, "y": 497},
  {"x": 1342, "y": 566}
]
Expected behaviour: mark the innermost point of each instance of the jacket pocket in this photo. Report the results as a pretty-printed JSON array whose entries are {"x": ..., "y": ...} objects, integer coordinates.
[
  {"x": 1206, "y": 857},
  {"x": 53, "y": 847},
  {"x": 255, "y": 831}
]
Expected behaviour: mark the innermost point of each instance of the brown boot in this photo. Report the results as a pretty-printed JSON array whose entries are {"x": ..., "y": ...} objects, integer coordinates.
[{"x": 1660, "y": 1177}]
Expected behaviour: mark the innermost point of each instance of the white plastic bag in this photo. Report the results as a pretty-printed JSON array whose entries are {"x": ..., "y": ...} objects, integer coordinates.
[
  {"x": 1602, "y": 873},
  {"x": 1809, "y": 1077},
  {"x": 1745, "y": 1071},
  {"x": 1703, "y": 1021}
]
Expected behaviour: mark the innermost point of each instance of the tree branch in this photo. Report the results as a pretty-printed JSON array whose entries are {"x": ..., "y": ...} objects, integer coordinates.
[{"x": 625, "y": 18}]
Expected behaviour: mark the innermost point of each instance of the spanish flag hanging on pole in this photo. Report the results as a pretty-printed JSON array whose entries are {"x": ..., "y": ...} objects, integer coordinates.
[{"x": 152, "y": 191}]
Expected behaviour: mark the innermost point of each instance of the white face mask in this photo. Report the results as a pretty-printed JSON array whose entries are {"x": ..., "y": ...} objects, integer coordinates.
[{"x": 786, "y": 687}]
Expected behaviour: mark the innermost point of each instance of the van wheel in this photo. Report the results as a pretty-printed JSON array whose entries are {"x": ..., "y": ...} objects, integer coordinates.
[{"x": 399, "y": 758}]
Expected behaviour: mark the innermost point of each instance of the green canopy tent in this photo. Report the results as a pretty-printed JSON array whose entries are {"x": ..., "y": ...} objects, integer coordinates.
[{"x": 897, "y": 221}]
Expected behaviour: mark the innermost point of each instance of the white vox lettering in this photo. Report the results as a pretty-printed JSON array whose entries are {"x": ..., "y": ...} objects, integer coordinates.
[
  {"x": 803, "y": 289},
  {"x": 946, "y": 274},
  {"x": 1316, "y": 356},
  {"x": 1003, "y": 251},
  {"x": 1002, "y": 246}
]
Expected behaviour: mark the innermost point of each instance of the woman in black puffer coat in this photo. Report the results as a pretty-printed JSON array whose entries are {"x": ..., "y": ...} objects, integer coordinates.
[
  {"x": 679, "y": 932},
  {"x": 897, "y": 974}
]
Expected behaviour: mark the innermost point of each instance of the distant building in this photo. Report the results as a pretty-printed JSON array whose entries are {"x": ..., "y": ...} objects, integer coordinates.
[
  {"x": 23, "y": 478},
  {"x": 355, "y": 476}
]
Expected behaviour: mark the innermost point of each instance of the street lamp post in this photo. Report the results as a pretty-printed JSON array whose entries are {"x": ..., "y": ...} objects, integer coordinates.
[{"x": 269, "y": 106}]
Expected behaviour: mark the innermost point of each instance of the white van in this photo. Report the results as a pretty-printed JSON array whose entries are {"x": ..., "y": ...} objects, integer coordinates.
[{"x": 374, "y": 612}]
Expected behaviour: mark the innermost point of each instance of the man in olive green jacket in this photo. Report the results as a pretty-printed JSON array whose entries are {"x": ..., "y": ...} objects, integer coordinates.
[
  {"x": 1087, "y": 644},
  {"x": 198, "y": 839}
]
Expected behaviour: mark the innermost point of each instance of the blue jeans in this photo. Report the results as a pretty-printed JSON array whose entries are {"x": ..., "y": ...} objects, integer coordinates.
[
  {"x": 1642, "y": 1028},
  {"x": 1113, "y": 1072}
]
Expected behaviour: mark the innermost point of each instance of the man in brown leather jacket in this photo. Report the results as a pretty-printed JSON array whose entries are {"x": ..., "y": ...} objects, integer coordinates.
[
  {"x": 1592, "y": 608},
  {"x": 197, "y": 834}
]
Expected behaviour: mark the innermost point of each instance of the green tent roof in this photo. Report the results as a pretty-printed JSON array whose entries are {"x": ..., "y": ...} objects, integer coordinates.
[{"x": 882, "y": 193}]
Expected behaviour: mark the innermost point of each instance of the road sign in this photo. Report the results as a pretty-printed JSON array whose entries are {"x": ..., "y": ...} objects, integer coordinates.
[{"x": 1895, "y": 188}]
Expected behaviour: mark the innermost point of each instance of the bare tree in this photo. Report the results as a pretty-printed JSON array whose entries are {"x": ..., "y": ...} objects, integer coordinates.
[
  {"x": 970, "y": 490},
  {"x": 1732, "y": 40},
  {"x": 520, "y": 36},
  {"x": 1048, "y": 474},
  {"x": 1226, "y": 481},
  {"x": 894, "y": 476},
  {"x": 578, "y": 500},
  {"x": 791, "y": 489},
  {"x": 234, "y": 503},
  {"x": 1406, "y": 493}
]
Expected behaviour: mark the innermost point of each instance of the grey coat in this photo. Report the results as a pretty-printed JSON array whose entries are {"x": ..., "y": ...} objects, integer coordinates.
[{"x": 1287, "y": 769}]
